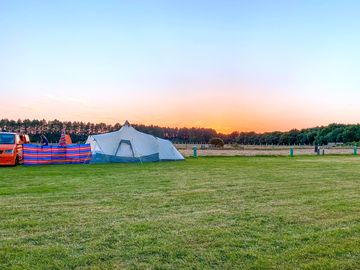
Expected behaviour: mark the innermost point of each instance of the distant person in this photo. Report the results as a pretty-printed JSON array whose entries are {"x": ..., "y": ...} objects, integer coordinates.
[
  {"x": 44, "y": 140},
  {"x": 316, "y": 148}
]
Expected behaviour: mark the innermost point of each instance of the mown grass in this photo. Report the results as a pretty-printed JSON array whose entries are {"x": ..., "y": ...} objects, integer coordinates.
[{"x": 225, "y": 213}]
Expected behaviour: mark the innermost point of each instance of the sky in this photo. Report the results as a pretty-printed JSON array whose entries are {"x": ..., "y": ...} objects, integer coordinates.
[{"x": 229, "y": 65}]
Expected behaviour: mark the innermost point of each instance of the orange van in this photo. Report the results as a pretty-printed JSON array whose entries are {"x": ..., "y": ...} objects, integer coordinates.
[{"x": 11, "y": 148}]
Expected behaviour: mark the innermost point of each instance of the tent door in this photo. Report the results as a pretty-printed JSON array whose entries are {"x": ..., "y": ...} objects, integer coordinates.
[{"x": 124, "y": 149}]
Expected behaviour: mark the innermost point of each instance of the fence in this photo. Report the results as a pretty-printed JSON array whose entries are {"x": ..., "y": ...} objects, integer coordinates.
[{"x": 54, "y": 154}]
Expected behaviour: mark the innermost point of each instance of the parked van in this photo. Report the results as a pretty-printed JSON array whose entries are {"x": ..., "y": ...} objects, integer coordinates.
[{"x": 11, "y": 148}]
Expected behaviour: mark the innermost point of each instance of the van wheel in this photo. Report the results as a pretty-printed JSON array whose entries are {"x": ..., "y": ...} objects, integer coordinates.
[{"x": 17, "y": 162}]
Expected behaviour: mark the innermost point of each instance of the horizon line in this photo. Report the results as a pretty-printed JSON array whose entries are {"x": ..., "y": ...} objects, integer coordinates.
[{"x": 183, "y": 127}]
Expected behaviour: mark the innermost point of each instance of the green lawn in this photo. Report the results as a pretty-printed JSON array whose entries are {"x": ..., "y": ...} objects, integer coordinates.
[{"x": 225, "y": 213}]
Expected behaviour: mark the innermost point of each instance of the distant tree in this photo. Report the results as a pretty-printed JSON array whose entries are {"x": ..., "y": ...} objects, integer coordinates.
[{"x": 217, "y": 142}]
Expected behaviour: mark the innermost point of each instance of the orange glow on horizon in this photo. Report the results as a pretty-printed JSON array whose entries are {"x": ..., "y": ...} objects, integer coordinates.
[{"x": 227, "y": 111}]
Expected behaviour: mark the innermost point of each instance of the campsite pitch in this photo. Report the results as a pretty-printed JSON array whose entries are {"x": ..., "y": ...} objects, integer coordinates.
[{"x": 220, "y": 212}]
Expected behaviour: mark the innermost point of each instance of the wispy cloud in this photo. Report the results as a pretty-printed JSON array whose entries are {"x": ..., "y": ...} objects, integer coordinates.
[
  {"x": 27, "y": 107},
  {"x": 66, "y": 98}
]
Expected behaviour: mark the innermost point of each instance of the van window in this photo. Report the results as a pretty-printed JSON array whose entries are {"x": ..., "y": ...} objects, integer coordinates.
[{"x": 7, "y": 138}]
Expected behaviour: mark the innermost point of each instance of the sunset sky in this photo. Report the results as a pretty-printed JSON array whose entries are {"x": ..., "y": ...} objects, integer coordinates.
[{"x": 229, "y": 65}]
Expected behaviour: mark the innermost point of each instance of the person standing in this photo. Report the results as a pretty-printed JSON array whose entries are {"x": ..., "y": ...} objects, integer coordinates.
[
  {"x": 62, "y": 141},
  {"x": 44, "y": 140}
]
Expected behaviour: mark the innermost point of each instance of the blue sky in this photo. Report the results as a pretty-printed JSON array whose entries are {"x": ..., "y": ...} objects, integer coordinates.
[{"x": 230, "y": 65}]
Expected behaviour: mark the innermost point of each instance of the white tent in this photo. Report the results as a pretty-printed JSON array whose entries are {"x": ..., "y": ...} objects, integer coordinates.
[
  {"x": 130, "y": 145},
  {"x": 167, "y": 151}
]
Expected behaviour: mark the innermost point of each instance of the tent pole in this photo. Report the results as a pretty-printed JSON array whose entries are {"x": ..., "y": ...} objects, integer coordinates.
[
  {"x": 117, "y": 149},
  {"x": 134, "y": 151},
  {"x": 98, "y": 145}
]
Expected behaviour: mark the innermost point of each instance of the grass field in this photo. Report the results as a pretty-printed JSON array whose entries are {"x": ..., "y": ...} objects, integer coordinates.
[{"x": 215, "y": 212}]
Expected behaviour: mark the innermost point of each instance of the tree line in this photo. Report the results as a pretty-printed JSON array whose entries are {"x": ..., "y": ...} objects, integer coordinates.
[
  {"x": 79, "y": 131},
  {"x": 323, "y": 135}
]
